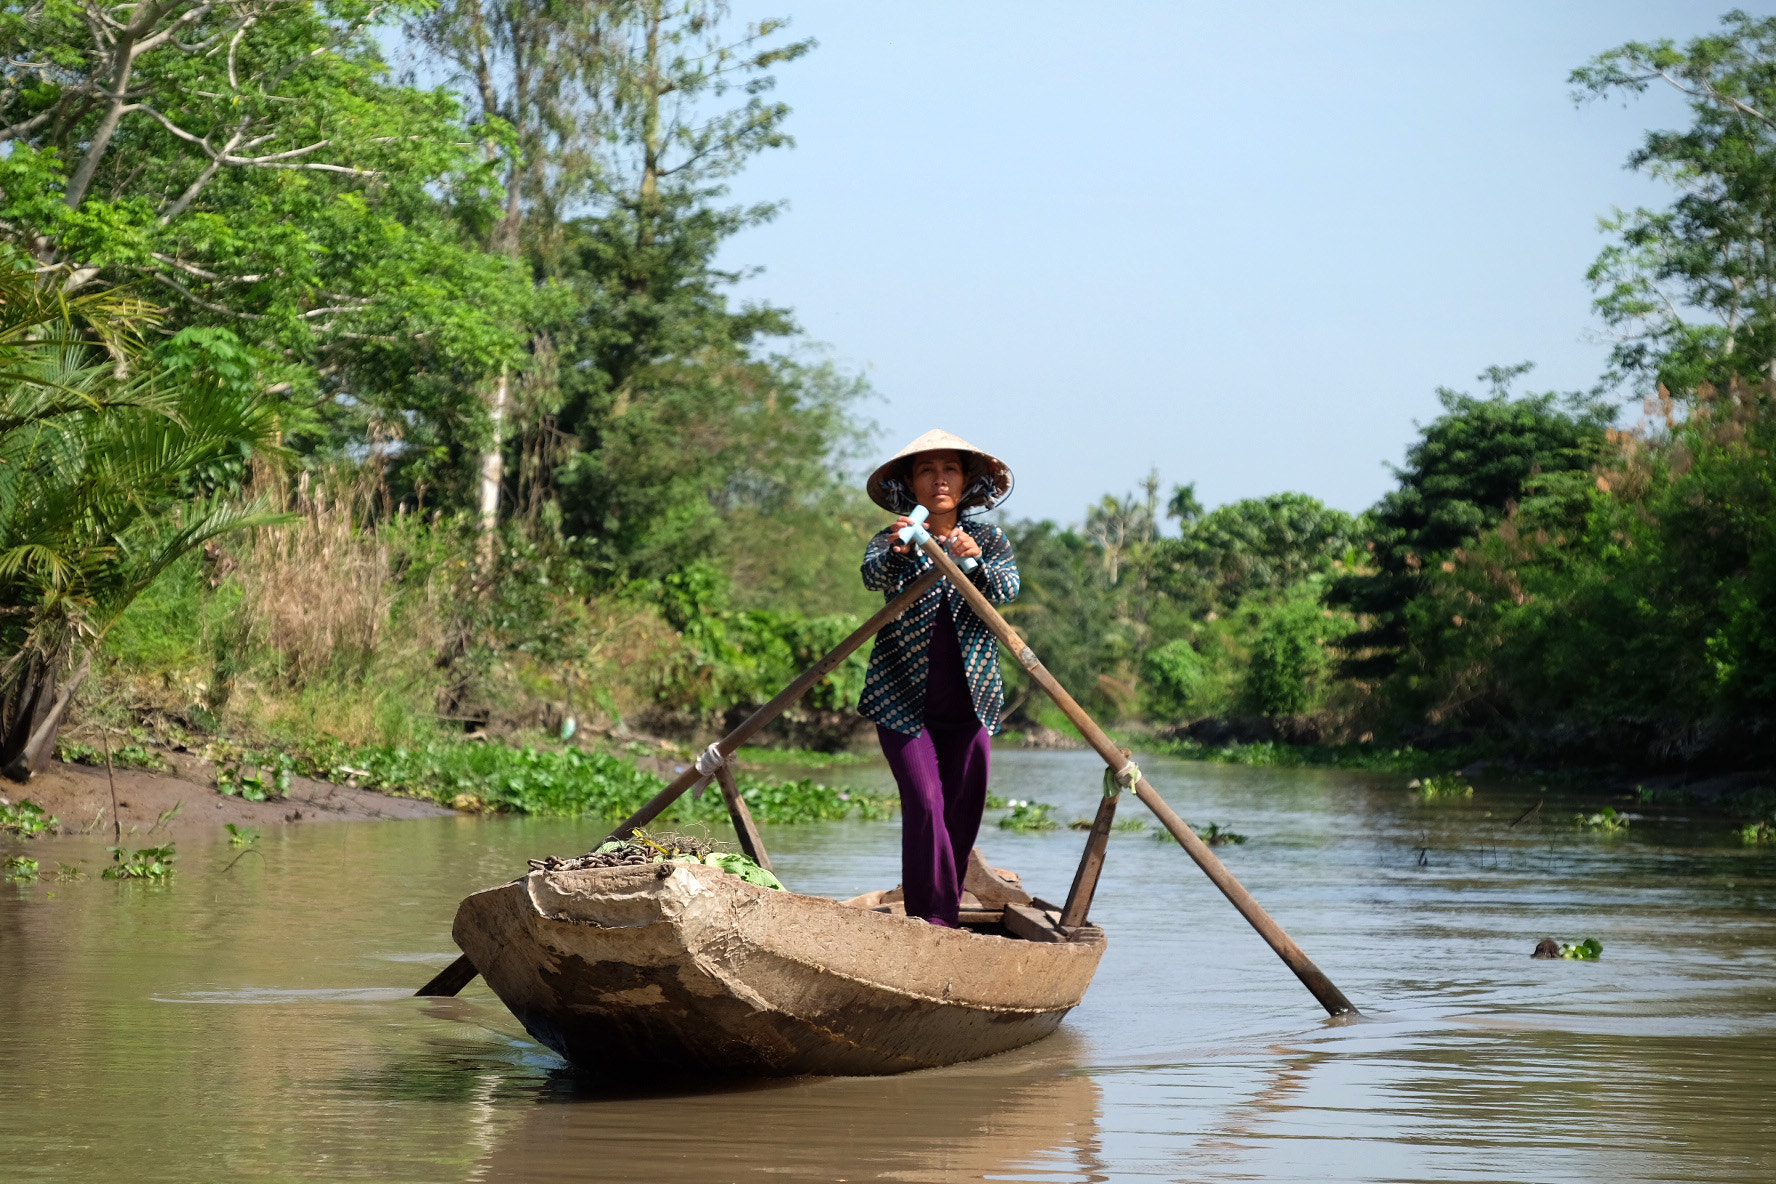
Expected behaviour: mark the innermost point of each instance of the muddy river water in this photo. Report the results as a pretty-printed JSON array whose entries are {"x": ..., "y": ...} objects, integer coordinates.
[{"x": 257, "y": 1023}]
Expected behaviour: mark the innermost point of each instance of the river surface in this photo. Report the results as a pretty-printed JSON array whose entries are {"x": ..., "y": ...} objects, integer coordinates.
[{"x": 257, "y": 1023}]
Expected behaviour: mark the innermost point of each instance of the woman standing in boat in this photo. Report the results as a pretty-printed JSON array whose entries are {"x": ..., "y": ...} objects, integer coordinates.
[{"x": 933, "y": 687}]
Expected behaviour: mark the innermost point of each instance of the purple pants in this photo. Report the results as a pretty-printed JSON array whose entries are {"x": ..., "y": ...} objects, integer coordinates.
[{"x": 942, "y": 773}]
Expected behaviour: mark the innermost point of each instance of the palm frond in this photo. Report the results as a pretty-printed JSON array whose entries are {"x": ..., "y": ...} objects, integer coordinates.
[{"x": 102, "y": 463}]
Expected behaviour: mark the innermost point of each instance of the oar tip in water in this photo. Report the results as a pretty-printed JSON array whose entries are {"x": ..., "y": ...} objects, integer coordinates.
[{"x": 449, "y": 981}]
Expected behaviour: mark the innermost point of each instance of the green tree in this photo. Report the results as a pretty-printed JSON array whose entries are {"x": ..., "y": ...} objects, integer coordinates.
[
  {"x": 1183, "y": 504},
  {"x": 1470, "y": 466},
  {"x": 1175, "y": 682},
  {"x": 1690, "y": 290},
  {"x": 1257, "y": 545},
  {"x": 252, "y": 163},
  {"x": 103, "y": 486},
  {"x": 537, "y": 74},
  {"x": 1639, "y": 627},
  {"x": 1288, "y": 656},
  {"x": 1067, "y": 610},
  {"x": 679, "y": 409}
]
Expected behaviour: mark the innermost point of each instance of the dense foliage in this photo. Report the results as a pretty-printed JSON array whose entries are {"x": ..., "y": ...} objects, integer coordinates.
[
  {"x": 544, "y": 475},
  {"x": 1481, "y": 459}
]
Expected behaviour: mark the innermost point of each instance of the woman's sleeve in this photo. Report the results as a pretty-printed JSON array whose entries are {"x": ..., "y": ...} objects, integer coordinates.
[
  {"x": 883, "y": 570},
  {"x": 997, "y": 575}
]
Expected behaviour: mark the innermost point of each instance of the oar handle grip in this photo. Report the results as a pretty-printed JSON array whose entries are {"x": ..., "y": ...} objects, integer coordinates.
[{"x": 916, "y": 534}]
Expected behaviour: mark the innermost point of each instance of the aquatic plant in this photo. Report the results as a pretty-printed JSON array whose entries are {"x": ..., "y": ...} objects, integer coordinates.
[
  {"x": 1588, "y": 950},
  {"x": 1214, "y": 834},
  {"x": 19, "y": 869},
  {"x": 1607, "y": 821},
  {"x": 568, "y": 782},
  {"x": 1271, "y": 754},
  {"x": 25, "y": 820},
  {"x": 255, "y": 776},
  {"x": 805, "y": 757},
  {"x": 1026, "y": 815},
  {"x": 69, "y": 871},
  {"x": 808, "y": 800},
  {"x": 146, "y": 863},
  {"x": 1445, "y": 788},
  {"x": 1122, "y": 824},
  {"x": 240, "y": 836},
  {"x": 127, "y": 756},
  {"x": 1757, "y": 833}
]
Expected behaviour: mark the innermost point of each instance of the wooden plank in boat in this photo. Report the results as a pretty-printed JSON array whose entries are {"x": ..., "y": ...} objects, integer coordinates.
[
  {"x": 1030, "y": 924},
  {"x": 966, "y": 916}
]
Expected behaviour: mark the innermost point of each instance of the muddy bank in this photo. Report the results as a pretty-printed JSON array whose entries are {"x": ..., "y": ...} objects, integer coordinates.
[{"x": 80, "y": 796}]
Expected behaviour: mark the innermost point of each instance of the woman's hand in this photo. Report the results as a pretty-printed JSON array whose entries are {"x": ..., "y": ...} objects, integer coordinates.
[
  {"x": 900, "y": 524},
  {"x": 961, "y": 544}
]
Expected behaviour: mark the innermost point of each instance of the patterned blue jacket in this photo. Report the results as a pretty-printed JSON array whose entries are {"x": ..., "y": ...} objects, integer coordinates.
[{"x": 894, "y": 689}]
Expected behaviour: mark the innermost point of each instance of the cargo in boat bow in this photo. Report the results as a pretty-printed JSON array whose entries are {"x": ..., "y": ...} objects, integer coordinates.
[{"x": 658, "y": 969}]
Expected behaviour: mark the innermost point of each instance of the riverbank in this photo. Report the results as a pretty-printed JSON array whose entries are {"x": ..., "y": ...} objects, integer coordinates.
[
  {"x": 186, "y": 798},
  {"x": 218, "y": 781}
]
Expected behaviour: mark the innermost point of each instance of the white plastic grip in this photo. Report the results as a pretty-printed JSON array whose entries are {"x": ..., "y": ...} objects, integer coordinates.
[{"x": 917, "y": 534}]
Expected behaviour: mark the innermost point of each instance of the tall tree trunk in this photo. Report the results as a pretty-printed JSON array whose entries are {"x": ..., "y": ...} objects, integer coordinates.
[
  {"x": 649, "y": 202},
  {"x": 493, "y": 464},
  {"x": 33, "y": 712},
  {"x": 101, "y": 137}
]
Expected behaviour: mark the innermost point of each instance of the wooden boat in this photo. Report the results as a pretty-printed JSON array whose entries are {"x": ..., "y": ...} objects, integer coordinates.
[{"x": 663, "y": 969}]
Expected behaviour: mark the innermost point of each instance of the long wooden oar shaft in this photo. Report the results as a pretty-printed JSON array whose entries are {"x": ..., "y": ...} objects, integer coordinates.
[
  {"x": 1311, "y": 976},
  {"x": 453, "y": 978}
]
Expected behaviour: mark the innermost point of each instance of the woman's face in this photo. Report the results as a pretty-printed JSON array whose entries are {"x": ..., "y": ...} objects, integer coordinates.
[{"x": 937, "y": 480}]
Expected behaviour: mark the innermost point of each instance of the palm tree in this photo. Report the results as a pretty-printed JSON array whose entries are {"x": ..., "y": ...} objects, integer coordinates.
[{"x": 103, "y": 486}]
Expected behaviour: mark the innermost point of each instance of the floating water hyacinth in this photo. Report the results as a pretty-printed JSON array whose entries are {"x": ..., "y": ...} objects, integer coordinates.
[
  {"x": 147, "y": 863},
  {"x": 1214, "y": 834},
  {"x": 1122, "y": 824},
  {"x": 1588, "y": 950},
  {"x": 1028, "y": 815},
  {"x": 1607, "y": 821},
  {"x": 1445, "y": 788},
  {"x": 26, "y": 820}
]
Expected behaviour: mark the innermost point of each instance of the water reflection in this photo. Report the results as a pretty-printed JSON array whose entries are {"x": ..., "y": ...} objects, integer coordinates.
[{"x": 1017, "y": 1123}]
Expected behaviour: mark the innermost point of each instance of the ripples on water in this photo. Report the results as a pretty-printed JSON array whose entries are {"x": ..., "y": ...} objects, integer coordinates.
[{"x": 257, "y": 1024}]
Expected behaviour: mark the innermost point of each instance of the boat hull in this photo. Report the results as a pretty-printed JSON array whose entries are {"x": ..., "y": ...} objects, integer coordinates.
[{"x": 664, "y": 969}]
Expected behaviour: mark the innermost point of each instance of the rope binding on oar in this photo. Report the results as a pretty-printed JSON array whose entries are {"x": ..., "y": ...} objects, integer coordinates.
[
  {"x": 709, "y": 762},
  {"x": 1117, "y": 780}
]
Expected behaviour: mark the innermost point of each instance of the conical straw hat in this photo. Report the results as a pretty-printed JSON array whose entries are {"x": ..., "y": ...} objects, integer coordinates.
[{"x": 890, "y": 487}]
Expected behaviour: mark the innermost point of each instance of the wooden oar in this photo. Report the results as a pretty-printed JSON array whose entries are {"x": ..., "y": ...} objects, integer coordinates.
[
  {"x": 461, "y": 973},
  {"x": 741, "y": 817},
  {"x": 1091, "y": 860},
  {"x": 1311, "y": 976}
]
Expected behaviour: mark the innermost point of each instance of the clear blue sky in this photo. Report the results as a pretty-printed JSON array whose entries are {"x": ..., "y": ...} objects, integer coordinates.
[{"x": 1239, "y": 243}]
